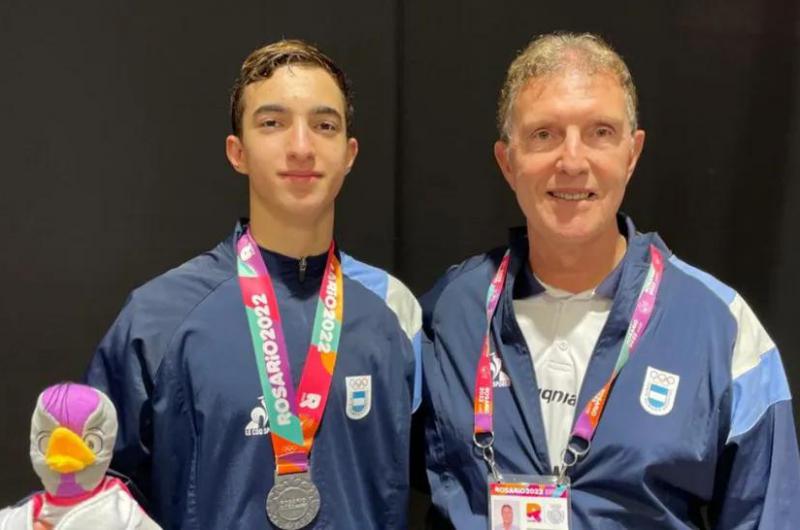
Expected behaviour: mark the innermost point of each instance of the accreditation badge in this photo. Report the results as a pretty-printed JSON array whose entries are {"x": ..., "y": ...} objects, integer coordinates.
[{"x": 529, "y": 502}]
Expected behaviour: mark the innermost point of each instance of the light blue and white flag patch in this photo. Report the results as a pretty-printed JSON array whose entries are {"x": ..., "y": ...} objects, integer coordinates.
[
  {"x": 359, "y": 396},
  {"x": 658, "y": 391}
]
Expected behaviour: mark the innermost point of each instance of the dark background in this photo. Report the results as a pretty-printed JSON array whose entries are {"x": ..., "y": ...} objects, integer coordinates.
[{"x": 113, "y": 169}]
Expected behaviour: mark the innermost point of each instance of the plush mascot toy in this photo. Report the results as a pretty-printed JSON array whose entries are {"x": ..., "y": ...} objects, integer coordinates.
[{"x": 72, "y": 438}]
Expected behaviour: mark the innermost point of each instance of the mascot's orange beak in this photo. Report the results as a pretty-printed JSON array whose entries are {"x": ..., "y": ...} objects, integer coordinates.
[{"x": 66, "y": 452}]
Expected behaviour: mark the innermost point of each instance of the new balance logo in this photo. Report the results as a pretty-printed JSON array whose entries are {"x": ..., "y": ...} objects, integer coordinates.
[{"x": 259, "y": 420}]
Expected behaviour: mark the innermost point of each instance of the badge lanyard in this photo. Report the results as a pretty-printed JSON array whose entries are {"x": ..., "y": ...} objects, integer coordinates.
[
  {"x": 586, "y": 425},
  {"x": 293, "y": 418},
  {"x": 483, "y": 435}
]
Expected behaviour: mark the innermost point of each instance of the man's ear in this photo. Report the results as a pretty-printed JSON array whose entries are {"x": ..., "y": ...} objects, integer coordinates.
[
  {"x": 352, "y": 152},
  {"x": 502, "y": 156},
  {"x": 636, "y": 151},
  {"x": 234, "y": 150}
]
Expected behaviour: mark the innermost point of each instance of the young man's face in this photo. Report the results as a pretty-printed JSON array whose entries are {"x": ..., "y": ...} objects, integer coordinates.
[
  {"x": 293, "y": 143},
  {"x": 570, "y": 154}
]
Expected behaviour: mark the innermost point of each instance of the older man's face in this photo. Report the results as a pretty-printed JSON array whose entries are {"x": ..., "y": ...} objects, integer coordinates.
[
  {"x": 508, "y": 515},
  {"x": 569, "y": 155}
]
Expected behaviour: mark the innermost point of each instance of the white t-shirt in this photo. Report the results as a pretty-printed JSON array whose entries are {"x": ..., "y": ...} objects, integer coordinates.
[{"x": 561, "y": 330}]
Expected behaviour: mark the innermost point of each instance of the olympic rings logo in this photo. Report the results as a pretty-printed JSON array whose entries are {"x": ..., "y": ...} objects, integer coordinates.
[
  {"x": 358, "y": 383},
  {"x": 662, "y": 379}
]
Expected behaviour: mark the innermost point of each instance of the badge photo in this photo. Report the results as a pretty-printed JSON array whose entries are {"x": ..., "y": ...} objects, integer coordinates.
[
  {"x": 359, "y": 396},
  {"x": 658, "y": 391}
]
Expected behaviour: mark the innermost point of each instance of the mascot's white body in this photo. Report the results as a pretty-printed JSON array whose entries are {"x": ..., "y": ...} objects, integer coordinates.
[{"x": 110, "y": 509}]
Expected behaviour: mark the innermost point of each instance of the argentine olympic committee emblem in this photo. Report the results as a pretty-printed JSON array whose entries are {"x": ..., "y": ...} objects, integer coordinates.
[
  {"x": 658, "y": 391},
  {"x": 359, "y": 396}
]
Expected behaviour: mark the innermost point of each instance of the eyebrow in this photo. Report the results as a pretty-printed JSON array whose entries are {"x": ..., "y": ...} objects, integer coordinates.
[
  {"x": 325, "y": 110},
  {"x": 549, "y": 121},
  {"x": 319, "y": 110},
  {"x": 270, "y": 107},
  {"x": 610, "y": 120}
]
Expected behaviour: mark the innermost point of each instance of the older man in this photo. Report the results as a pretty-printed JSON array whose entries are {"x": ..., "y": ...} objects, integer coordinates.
[{"x": 584, "y": 367}]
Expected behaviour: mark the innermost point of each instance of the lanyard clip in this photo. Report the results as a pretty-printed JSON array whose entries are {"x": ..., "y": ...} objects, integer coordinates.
[
  {"x": 577, "y": 448},
  {"x": 487, "y": 452},
  {"x": 561, "y": 473}
]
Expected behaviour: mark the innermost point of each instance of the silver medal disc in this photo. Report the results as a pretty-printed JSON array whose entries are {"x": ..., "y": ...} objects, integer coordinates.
[{"x": 293, "y": 502}]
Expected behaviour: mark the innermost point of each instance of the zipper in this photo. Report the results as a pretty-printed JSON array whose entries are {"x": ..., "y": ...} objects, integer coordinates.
[{"x": 301, "y": 269}]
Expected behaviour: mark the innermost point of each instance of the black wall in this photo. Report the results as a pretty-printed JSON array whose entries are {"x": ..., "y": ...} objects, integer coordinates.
[{"x": 114, "y": 115}]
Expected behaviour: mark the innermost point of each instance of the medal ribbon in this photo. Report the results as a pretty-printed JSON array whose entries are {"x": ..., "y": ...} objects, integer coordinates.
[
  {"x": 293, "y": 422},
  {"x": 588, "y": 420}
]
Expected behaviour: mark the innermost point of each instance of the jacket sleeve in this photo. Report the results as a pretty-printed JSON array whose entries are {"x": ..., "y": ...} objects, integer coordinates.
[
  {"x": 409, "y": 315},
  {"x": 451, "y": 506},
  {"x": 758, "y": 477},
  {"x": 174, "y": 437},
  {"x": 123, "y": 368}
]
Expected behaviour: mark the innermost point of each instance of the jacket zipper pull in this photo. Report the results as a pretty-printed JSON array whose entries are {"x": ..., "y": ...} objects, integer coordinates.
[{"x": 301, "y": 269}]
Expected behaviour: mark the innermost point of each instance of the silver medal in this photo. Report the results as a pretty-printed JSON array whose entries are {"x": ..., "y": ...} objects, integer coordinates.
[{"x": 293, "y": 502}]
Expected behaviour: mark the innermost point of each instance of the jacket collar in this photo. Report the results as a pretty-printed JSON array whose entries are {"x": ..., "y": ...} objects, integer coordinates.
[
  {"x": 526, "y": 285},
  {"x": 285, "y": 267}
]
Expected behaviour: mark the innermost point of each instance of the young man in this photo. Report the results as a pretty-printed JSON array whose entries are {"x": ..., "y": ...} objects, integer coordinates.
[
  {"x": 205, "y": 362},
  {"x": 585, "y": 356}
]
